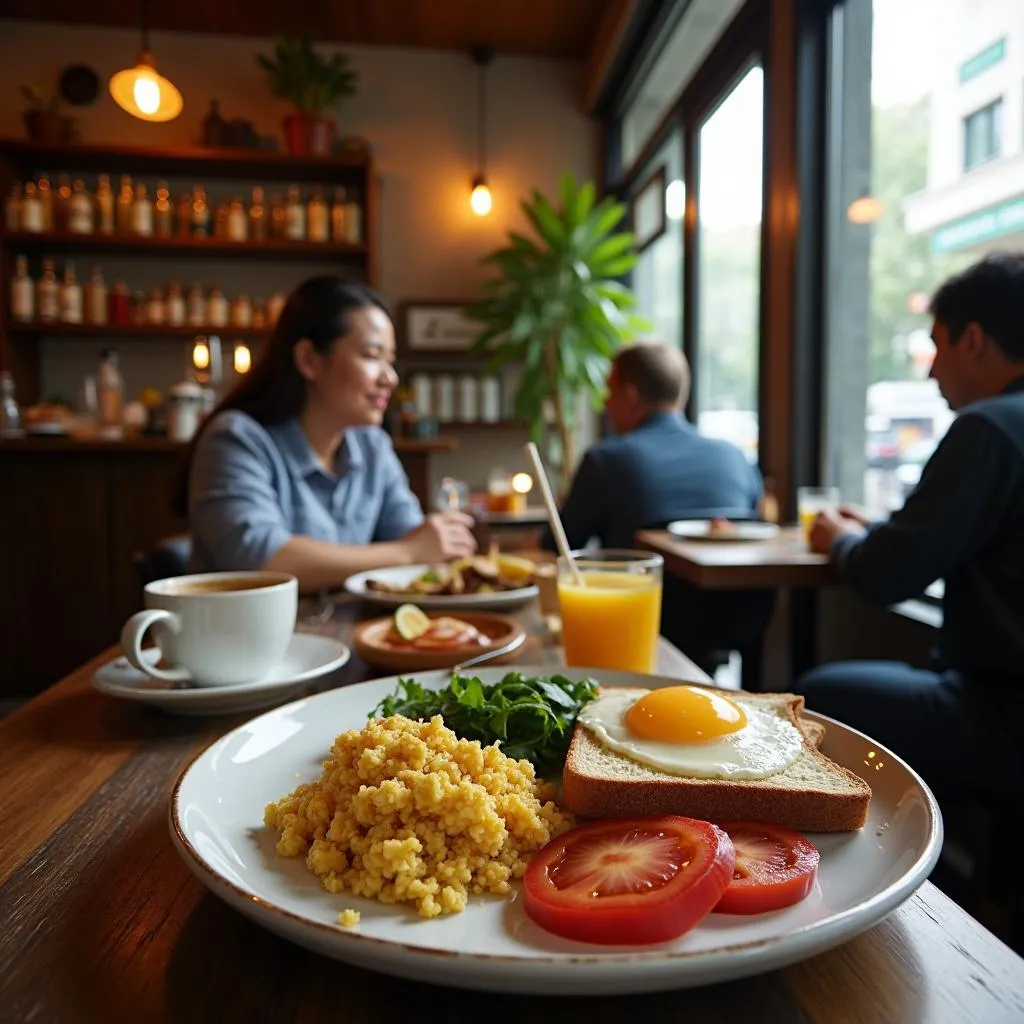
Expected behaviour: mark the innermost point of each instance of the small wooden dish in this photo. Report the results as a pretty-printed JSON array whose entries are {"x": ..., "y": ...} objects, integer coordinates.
[{"x": 368, "y": 643}]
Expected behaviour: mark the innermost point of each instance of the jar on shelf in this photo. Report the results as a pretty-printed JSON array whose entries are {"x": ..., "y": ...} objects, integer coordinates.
[
  {"x": 32, "y": 210},
  {"x": 142, "y": 213},
  {"x": 444, "y": 398},
  {"x": 45, "y": 194},
  {"x": 70, "y": 297},
  {"x": 139, "y": 308},
  {"x": 175, "y": 305},
  {"x": 48, "y": 293},
  {"x": 156, "y": 311},
  {"x": 105, "y": 206},
  {"x": 81, "y": 219},
  {"x": 23, "y": 293},
  {"x": 96, "y": 307},
  {"x": 422, "y": 394},
  {"x": 217, "y": 308},
  {"x": 195, "y": 307},
  {"x": 120, "y": 305},
  {"x": 318, "y": 218},
  {"x": 468, "y": 410},
  {"x": 257, "y": 215},
  {"x": 238, "y": 222},
  {"x": 294, "y": 216},
  {"x": 490, "y": 400},
  {"x": 241, "y": 312}
]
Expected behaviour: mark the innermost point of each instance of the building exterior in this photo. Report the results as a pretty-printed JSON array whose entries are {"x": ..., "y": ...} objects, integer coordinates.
[{"x": 975, "y": 195}]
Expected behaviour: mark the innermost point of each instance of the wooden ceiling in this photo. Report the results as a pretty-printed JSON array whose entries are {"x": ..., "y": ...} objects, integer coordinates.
[{"x": 548, "y": 28}]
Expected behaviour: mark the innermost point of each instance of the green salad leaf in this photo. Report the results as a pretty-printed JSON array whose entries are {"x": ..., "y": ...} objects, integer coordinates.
[{"x": 532, "y": 716}]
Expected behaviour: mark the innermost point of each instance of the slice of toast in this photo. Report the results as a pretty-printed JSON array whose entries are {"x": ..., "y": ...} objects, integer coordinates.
[{"x": 813, "y": 794}]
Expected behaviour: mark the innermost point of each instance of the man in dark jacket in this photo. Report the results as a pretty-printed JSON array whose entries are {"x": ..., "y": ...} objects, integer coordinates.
[
  {"x": 960, "y": 723},
  {"x": 657, "y": 468}
]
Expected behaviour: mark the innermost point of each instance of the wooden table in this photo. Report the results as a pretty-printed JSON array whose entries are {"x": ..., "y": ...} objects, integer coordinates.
[
  {"x": 783, "y": 561},
  {"x": 101, "y": 920}
]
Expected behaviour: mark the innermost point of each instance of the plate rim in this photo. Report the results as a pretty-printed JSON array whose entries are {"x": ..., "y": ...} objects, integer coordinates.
[
  {"x": 356, "y": 586},
  {"x": 771, "y": 530},
  {"x": 781, "y": 949},
  {"x": 208, "y": 694}
]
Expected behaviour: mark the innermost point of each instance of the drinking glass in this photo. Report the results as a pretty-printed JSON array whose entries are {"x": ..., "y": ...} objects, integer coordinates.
[
  {"x": 812, "y": 500},
  {"x": 612, "y": 617}
]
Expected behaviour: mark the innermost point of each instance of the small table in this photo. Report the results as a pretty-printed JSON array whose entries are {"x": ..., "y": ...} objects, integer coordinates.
[{"x": 782, "y": 561}]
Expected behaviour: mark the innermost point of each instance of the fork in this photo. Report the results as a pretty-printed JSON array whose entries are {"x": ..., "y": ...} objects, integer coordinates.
[{"x": 479, "y": 659}]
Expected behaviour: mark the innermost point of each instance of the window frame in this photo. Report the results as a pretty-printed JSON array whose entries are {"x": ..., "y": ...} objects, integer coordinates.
[{"x": 994, "y": 124}]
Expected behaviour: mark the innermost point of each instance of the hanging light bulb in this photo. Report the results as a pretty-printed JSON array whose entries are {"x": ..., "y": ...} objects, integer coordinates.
[
  {"x": 480, "y": 201},
  {"x": 243, "y": 358},
  {"x": 140, "y": 90},
  {"x": 201, "y": 354},
  {"x": 480, "y": 197}
]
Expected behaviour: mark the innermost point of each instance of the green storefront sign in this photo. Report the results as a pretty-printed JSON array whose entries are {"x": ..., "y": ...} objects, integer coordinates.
[
  {"x": 983, "y": 61},
  {"x": 998, "y": 220}
]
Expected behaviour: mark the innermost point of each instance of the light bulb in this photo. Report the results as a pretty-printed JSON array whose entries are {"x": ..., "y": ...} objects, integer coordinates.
[
  {"x": 480, "y": 199},
  {"x": 243, "y": 358},
  {"x": 146, "y": 92},
  {"x": 201, "y": 356},
  {"x": 864, "y": 210},
  {"x": 522, "y": 483},
  {"x": 675, "y": 199}
]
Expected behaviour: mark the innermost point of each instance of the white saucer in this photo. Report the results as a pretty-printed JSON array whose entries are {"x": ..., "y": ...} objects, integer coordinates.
[{"x": 309, "y": 656}]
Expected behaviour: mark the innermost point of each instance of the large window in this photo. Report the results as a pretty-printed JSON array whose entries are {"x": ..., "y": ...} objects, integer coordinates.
[
  {"x": 729, "y": 196},
  {"x": 907, "y": 124}
]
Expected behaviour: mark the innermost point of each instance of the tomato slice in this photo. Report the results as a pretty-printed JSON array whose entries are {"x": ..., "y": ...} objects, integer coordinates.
[
  {"x": 629, "y": 881},
  {"x": 775, "y": 868}
]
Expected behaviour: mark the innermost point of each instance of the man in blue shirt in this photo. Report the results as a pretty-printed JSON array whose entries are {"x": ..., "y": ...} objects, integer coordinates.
[
  {"x": 960, "y": 722},
  {"x": 658, "y": 468}
]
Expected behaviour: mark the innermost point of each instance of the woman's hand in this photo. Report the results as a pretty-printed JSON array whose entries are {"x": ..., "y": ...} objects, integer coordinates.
[{"x": 442, "y": 537}]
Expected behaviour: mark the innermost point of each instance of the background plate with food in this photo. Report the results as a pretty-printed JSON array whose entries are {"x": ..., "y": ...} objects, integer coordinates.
[
  {"x": 217, "y": 824},
  {"x": 444, "y": 640},
  {"x": 722, "y": 529},
  {"x": 477, "y": 583}
]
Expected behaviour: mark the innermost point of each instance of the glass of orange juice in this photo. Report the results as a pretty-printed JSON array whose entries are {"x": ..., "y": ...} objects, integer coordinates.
[
  {"x": 611, "y": 615},
  {"x": 812, "y": 500}
]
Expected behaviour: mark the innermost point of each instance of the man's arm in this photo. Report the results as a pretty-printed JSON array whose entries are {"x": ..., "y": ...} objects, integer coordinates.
[
  {"x": 584, "y": 510},
  {"x": 961, "y": 500}
]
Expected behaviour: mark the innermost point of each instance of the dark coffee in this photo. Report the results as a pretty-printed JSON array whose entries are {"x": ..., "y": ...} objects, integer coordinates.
[{"x": 224, "y": 586}]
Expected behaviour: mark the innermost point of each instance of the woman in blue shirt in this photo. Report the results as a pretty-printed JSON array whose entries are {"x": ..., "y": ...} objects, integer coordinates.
[{"x": 293, "y": 472}]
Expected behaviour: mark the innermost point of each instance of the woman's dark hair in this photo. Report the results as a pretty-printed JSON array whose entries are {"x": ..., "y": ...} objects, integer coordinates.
[
  {"x": 989, "y": 293},
  {"x": 274, "y": 391}
]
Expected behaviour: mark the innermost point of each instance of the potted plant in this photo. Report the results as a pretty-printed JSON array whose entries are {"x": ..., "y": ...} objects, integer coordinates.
[
  {"x": 42, "y": 117},
  {"x": 299, "y": 75},
  {"x": 557, "y": 308}
]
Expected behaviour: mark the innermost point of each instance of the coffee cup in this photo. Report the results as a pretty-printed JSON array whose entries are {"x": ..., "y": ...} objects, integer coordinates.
[{"x": 215, "y": 629}]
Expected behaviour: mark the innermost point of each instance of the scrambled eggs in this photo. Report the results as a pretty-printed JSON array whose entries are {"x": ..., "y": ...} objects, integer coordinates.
[{"x": 406, "y": 812}]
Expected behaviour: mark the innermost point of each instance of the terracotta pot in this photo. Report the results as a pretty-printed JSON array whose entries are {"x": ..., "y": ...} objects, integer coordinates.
[
  {"x": 308, "y": 134},
  {"x": 42, "y": 126}
]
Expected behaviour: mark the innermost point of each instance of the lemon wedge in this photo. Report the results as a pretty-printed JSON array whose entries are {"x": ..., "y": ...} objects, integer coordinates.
[
  {"x": 513, "y": 570},
  {"x": 411, "y": 621}
]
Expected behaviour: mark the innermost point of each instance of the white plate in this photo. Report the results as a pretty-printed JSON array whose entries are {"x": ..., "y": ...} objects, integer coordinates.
[
  {"x": 309, "y": 657},
  {"x": 700, "y": 529},
  {"x": 216, "y": 820},
  {"x": 404, "y": 574}
]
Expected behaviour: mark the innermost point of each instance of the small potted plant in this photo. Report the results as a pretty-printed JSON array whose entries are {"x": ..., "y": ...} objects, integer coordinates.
[
  {"x": 42, "y": 117},
  {"x": 302, "y": 77}
]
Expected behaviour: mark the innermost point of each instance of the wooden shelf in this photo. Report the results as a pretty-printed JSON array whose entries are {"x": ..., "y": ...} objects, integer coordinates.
[
  {"x": 246, "y": 164},
  {"x": 57, "y": 329},
  {"x": 271, "y": 249}
]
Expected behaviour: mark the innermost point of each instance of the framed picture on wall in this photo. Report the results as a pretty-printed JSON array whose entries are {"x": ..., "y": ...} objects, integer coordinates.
[
  {"x": 432, "y": 327},
  {"x": 648, "y": 210}
]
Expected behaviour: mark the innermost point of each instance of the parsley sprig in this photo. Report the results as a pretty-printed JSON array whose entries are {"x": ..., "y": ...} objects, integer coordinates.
[{"x": 532, "y": 716}]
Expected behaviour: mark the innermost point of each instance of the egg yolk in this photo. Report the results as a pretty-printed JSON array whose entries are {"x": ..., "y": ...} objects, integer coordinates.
[{"x": 684, "y": 714}]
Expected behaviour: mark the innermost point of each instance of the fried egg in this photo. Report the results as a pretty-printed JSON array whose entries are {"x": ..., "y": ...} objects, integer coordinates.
[{"x": 693, "y": 732}]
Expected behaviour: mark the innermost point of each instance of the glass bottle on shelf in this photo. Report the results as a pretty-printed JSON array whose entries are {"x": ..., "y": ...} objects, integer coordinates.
[
  {"x": 142, "y": 212},
  {"x": 80, "y": 210},
  {"x": 184, "y": 215},
  {"x": 48, "y": 293},
  {"x": 46, "y": 199},
  {"x": 119, "y": 304},
  {"x": 277, "y": 218},
  {"x": 96, "y": 298},
  {"x": 195, "y": 309},
  {"x": 163, "y": 211},
  {"x": 338, "y": 215},
  {"x": 31, "y": 209},
  {"x": 217, "y": 308},
  {"x": 295, "y": 216},
  {"x": 241, "y": 312},
  {"x": 70, "y": 297},
  {"x": 200, "y": 213},
  {"x": 10, "y": 414},
  {"x": 238, "y": 222},
  {"x": 175, "y": 305},
  {"x": 125, "y": 197},
  {"x": 353, "y": 219},
  {"x": 259, "y": 314},
  {"x": 156, "y": 311},
  {"x": 23, "y": 293},
  {"x": 12, "y": 208},
  {"x": 318, "y": 218},
  {"x": 105, "y": 205},
  {"x": 220, "y": 220},
  {"x": 109, "y": 393},
  {"x": 140, "y": 308},
  {"x": 257, "y": 215}
]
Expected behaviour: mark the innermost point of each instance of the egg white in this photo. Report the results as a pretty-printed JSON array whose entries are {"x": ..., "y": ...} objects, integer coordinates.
[{"x": 766, "y": 745}]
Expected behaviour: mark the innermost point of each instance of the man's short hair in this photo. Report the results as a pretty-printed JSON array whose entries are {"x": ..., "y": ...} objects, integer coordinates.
[
  {"x": 991, "y": 294},
  {"x": 660, "y": 373}
]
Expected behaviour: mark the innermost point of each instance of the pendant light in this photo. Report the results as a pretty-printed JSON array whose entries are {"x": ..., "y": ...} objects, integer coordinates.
[
  {"x": 480, "y": 196},
  {"x": 140, "y": 90}
]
